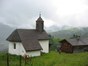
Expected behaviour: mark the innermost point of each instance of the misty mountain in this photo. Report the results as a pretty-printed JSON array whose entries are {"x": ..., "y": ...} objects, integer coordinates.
[
  {"x": 52, "y": 28},
  {"x": 5, "y": 31},
  {"x": 55, "y": 28},
  {"x": 68, "y": 33}
]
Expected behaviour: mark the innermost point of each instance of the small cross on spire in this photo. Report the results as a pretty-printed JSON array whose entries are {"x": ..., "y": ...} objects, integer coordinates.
[{"x": 40, "y": 14}]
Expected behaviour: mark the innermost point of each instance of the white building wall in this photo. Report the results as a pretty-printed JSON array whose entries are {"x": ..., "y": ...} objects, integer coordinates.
[
  {"x": 19, "y": 49},
  {"x": 45, "y": 45},
  {"x": 34, "y": 53}
]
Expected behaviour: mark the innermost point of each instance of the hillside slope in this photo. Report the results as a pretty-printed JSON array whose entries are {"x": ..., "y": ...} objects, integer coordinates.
[
  {"x": 51, "y": 59},
  {"x": 5, "y": 31},
  {"x": 83, "y": 32}
]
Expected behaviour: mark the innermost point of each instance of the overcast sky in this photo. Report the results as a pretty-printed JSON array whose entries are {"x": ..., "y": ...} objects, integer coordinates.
[{"x": 24, "y": 13}]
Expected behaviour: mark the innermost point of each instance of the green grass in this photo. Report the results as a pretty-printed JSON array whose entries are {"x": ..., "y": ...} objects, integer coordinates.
[{"x": 51, "y": 59}]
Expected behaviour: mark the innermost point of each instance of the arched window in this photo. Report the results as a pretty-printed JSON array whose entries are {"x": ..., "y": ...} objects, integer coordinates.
[{"x": 14, "y": 45}]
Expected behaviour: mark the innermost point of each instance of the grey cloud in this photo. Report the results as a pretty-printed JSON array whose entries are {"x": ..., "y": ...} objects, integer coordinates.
[
  {"x": 19, "y": 12},
  {"x": 25, "y": 12}
]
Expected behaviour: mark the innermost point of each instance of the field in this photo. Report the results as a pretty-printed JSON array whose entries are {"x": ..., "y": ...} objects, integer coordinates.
[{"x": 51, "y": 59}]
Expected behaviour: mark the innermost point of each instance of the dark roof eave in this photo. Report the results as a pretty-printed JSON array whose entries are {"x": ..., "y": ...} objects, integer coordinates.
[
  {"x": 44, "y": 39},
  {"x": 33, "y": 50},
  {"x": 13, "y": 41},
  {"x": 79, "y": 45}
]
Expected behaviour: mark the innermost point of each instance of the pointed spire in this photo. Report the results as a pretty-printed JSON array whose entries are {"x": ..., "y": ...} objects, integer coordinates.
[
  {"x": 39, "y": 19},
  {"x": 40, "y": 14}
]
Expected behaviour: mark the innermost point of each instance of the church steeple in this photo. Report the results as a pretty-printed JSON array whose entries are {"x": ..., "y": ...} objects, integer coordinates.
[{"x": 40, "y": 24}]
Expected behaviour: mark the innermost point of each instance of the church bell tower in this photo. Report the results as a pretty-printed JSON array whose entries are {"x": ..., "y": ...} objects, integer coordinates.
[{"x": 40, "y": 24}]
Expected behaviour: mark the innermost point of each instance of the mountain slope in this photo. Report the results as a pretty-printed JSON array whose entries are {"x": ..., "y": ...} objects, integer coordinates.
[
  {"x": 5, "y": 31},
  {"x": 83, "y": 32}
]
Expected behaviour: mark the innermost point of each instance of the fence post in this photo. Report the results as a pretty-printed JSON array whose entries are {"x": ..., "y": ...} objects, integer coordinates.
[
  {"x": 7, "y": 59},
  {"x": 20, "y": 60}
]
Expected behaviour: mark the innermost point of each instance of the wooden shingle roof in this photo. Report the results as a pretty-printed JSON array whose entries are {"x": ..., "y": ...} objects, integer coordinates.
[
  {"x": 76, "y": 42},
  {"x": 28, "y": 37}
]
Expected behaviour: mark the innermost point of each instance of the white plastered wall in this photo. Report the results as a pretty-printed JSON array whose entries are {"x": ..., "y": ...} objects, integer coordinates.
[
  {"x": 19, "y": 48},
  {"x": 34, "y": 53},
  {"x": 21, "y": 51},
  {"x": 45, "y": 45}
]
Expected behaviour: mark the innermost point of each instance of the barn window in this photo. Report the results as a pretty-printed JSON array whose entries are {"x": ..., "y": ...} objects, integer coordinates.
[{"x": 14, "y": 45}]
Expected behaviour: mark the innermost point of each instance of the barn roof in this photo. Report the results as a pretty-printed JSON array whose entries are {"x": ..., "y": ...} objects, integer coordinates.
[
  {"x": 77, "y": 42},
  {"x": 28, "y": 37}
]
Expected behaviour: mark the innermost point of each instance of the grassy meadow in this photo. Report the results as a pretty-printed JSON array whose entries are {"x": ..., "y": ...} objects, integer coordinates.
[{"x": 51, "y": 59}]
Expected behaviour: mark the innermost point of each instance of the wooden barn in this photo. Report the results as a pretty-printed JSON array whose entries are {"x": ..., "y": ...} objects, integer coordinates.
[{"x": 74, "y": 45}]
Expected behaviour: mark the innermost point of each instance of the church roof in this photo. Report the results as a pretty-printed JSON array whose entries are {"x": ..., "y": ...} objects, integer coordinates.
[{"x": 28, "y": 37}]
